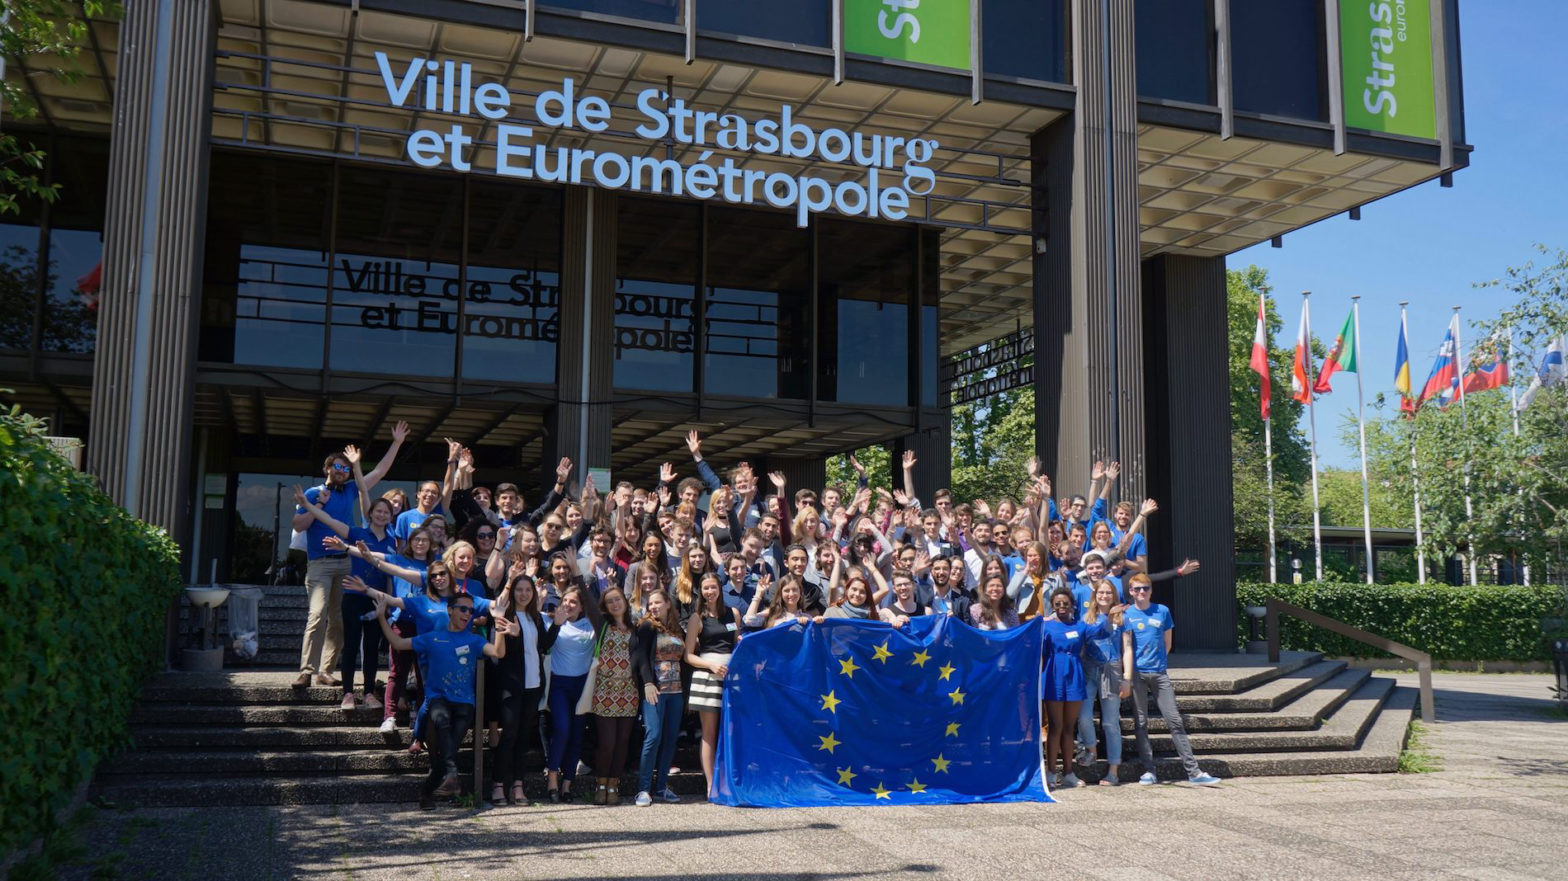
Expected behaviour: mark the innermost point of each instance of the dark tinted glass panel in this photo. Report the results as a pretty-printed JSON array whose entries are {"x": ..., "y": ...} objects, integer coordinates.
[
  {"x": 808, "y": 22},
  {"x": 866, "y": 282},
  {"x": 1025, "y": 38},
  {"x": 658, "y": 244},
  {"x": 1175, "y": 49},
  {"x": 668, "y": 11},
  {"x": 758, "y": 313},
  {"x": 19, "y": 278},
  {"x": 514, "y": 283},
  {"x": 263, "y": 508},
  {"x": 265, "y": 290},
  {"x": 1277, "y": 58},
  {"x": 81, "y": 168},
  {"x": 930, "y": 315},
  {"x": 395, "y": 277}
]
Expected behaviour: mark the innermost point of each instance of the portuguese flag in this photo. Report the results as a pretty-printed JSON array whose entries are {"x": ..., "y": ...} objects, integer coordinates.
[{"x": 1341, "y": 357}]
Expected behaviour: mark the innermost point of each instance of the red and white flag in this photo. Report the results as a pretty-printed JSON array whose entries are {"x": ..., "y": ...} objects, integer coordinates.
[
  {"x": 1301, "y": 369},
  {"x": 1260, "y": 356}
]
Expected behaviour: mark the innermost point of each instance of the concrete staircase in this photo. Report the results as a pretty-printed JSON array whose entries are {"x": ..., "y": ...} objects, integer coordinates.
[{"x": 244, "y": 736}]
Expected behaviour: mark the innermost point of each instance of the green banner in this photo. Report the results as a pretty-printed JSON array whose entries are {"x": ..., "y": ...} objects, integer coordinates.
[
  {"x": 926, "y": 31},
  {"x": 1386, "y": 55}
]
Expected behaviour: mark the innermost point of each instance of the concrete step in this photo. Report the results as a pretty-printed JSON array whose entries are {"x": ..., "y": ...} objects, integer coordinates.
[
  {"x": 363, "y": 736},
  {"x": 299, "y": 715},
  {"x": 1230, "y": 673},
  {"x": 1305, "y": 712},
  {"x": 1340, "y": 731},
  {"x": 231, "y": 763},
  {"x": 1265, "y": 696},
  {"x": 172, "y": 698}
]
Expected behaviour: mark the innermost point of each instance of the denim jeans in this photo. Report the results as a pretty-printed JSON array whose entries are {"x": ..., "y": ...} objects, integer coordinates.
[
  {"x": 448, "y": 723},
  {"x": 662, "y": 724},
  {"x": 566, "y": 727},
  {"x": 1165, "y": 700},
  {"x": 1104, "y": 682}
]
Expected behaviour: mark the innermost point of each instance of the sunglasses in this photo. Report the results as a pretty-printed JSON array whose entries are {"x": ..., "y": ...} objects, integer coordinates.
[
  {"x": 1139, "y": 587},
  {"x": 440, "y": 575},
  {"x": 466, "y": 610},
  {"x": 341, "y": 468},
  {"x": 483, "y": 536}
]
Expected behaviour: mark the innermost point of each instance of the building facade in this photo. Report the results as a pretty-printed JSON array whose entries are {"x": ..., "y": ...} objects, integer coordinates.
[{"x": 581, "y": 227}]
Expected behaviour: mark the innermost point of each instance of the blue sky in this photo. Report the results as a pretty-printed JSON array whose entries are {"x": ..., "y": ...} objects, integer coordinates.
[{"x": 1430, "y": 245}]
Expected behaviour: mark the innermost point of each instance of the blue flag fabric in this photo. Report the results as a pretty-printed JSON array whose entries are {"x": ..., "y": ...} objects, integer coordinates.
[{"x": 858, "y": 713}]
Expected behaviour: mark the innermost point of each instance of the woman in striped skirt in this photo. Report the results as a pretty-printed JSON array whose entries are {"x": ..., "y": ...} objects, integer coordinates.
[{"x": 710, "y": 639}]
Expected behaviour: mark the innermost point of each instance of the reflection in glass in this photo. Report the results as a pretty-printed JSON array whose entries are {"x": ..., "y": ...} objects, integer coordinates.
[
  {"x": 1025, "y": 38},
  {"x": 1174, "y": 40},
  {"x": 264, "y": 292},
  {"x": 81, "y": 167},
  {"x": 759, "y": 285},
  {"x": 395, "y": 277},
  {"x": 18, "y": 283},
  {"x": 867, "y": 280},
  {"x": 667, "y": 11},
  {"x": 263, "y": 508},
  {"x": 657, "y": 249},
  {"x": 807, "y": 22},
  {"x": 1277, "y": 58},
  {"x": 514, "y": 283}
]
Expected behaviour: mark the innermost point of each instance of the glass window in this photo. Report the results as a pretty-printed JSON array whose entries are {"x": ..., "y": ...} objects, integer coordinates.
[
  {"x": 808, "y": 22},
  {"x": 263, "y": 509},
  {"x": 1175, "y": 40},
  {"x": 19, "y": 279},
  {"x": 758, "y": 312},
  {"x": 658, "y": 244},
  {"x": 930, "y": 315},
  {"x": 1277, "y": 58},
  {"x": 395, "y": 277},
  {"x": 81, "y": 168},
  {"x": 1025, "y": 38},
  {"x": 264, "y": 296},
  {"x": 511, "y": 315},
  {"x": 668, "y": 11},
  {"x": 866, "y": 280}
]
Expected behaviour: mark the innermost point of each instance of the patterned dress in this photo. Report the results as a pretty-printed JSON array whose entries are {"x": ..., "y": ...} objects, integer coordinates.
[{"x": 615, "y": 694}]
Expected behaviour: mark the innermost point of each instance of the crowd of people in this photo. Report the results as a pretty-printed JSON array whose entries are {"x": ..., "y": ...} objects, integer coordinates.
[{"x": 606, "y": 615}]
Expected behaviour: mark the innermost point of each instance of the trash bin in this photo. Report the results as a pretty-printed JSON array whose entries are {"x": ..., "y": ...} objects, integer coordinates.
[{"x": 245, "y": 621}]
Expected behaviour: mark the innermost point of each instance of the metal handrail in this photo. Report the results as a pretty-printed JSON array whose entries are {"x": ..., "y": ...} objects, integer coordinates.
[{"x": 1422, "y": 660}]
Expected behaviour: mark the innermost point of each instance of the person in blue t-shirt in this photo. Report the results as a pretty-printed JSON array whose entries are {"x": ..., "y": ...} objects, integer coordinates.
[
  {"x": 1062, "y": 686},
  {"x": 450, "y": 658},
  {"x": 325, "y": 568},
  {"x": 1107, "y": 674},
  {"x": 1149, "y": 627},
  {"x": 1082, "y": 582}
]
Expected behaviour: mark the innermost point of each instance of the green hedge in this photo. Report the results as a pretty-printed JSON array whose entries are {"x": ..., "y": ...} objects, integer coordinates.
[
  {"x": 1449, "y": 622},
  {"x": 86, "y": 588}
]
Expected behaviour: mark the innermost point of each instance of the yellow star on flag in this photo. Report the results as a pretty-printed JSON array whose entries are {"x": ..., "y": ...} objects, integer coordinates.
[
  {"x": 946, "y": 670},
  {"x": 829, "y": 742},
  {"x": 882, "y": 792},
  {"x": 915, "y": 786},
  {"x": 957, "y": 696},
  {"x": 845, "y": 775},
  {"x": 881, "y": 653},
  {"x": 952, "y": 729},
  {"x": 920, "y": 658},
  {"x": 830, "y": 702},
  {"x": 941, "y": 763},
  {"x": 847, "y": 667}
]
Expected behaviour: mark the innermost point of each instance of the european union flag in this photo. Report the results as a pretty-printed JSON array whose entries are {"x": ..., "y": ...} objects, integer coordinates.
[{"x": 858, "y": 713}]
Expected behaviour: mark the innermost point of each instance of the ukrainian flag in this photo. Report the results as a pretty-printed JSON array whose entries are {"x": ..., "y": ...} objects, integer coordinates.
[{"x": 1402, "y": 370}]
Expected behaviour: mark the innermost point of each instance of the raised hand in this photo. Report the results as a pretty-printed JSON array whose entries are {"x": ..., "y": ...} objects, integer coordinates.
[
  {"x": 1149, "y": 507},
  {"x": 694, "y": 443},
  {"x": 508, "y": 626},
  {"x": 909, "y": 459},
  {"x": 982, "y": 509},
  {"x": 351, "y": 453},
  {"x": 531, "y": 568},
  {"x": 1187, "y": 567},
  {"x": 1097, "y": 470},
  {"x": 777, "y": 479},
  {"x": 841, "y": 516},
  {"x": 901, "y": 497},
  {"x": 465, "y": 460},
  {"x": 855, "y": 464},
  {"x": 563, "y": 470},
  {"x": 862, "y": 499},
  {"x": 666, "y": 473},
  {"x": 299, "y": 496},
  {"x": 1045, "y": 484},
  {"x": 1113, "y": 470},
  {"x": 400, "y": 432},
  {"x": 1033, "y": 466}
]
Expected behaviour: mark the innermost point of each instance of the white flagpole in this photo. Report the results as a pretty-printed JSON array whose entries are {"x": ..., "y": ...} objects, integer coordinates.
[
  {"x": 1268, "y": 461},
  {"x": 1464, "y": 418},
  {"x": 1312, "y": 422},
  {"x": 1513, "y": 408},
  {"x": 1361, "y": 410},
  {"x": 1415, "y": 479}
]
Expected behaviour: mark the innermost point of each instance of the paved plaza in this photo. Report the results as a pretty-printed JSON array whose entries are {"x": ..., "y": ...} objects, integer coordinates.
[{"x": 1496, "y": 810}]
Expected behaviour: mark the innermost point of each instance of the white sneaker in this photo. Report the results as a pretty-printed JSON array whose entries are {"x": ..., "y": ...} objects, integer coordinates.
[
  {"x": 348, "y": 702},
  {"x": 1148, "y": 778},
  {"x": 644, "y": 799},
  {"x": 388, "y": 725},
  {"x": 1204, "y": 779}
]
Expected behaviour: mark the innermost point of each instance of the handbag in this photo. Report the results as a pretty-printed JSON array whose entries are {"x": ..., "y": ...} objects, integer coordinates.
[{"x": 585, "y": 703}]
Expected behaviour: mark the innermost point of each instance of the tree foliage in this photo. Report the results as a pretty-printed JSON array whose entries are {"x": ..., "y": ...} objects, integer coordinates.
[{"x": 992, "y": 442}]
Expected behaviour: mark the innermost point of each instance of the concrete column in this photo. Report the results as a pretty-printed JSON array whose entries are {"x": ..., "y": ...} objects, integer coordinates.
[
  {"x": 155, "y": 223},
  {"x": 580, "y": 423},
  {"x": 1188, "y": 413},
  {"x": 1088, "y": 314}
]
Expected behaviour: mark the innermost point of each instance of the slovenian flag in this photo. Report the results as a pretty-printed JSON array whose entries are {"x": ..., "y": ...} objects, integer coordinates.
[
  {"x": 1260, "y": 356},
  {"x": 1341, "y": 357},
  {"x": 1488, "y": 369},
  {"x": 1552, "y": 371},
  {"x": 1443, "y": 383},
  {"x": 1301, "y": 367},
  {"x": 1407, "y": 403}
]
